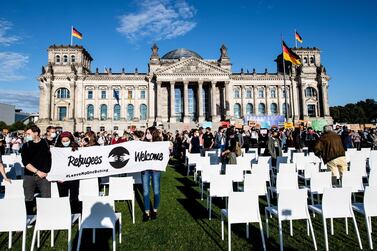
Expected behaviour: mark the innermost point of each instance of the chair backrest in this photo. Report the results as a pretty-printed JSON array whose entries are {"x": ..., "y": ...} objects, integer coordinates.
[
  {"x": 202, "y": 162},
  {"x": 319, "y": 181},
  {"x": 243, "y": 207},
  {"x": 98, "y": 212},
  {"x": 309, "y": 169},
  {"x": 287, "y": 167},
  {"x": 88, "y": 187},
  {"x": 12, "y": 215},
  {"x": 336, "y": 202},
  {"x": 221, "y": 185},
  {"x": 292, "y": 204},
  {"x": 8, "y": 160},
  {"x": 262, "y": 168},
  {"x": 244, "y": 163},
  {"x": 193, "y": 158},
  {"x": 370, "y": 202},
  {"x": 280, "y": 160},
  {"x": 297, "y": 156},
  {"x": 121, "y": 188},
  {"x": 373, "y": 159},
  {"x": 358, "y": 163},
  {"x": 235, "y": 172},
  {"x": 353, "y": 180},
  {"x": 14, "y": 189},
  {"x": 212, "y": 170},
  {"x": 372, "y": 180},
  {"x": 208, "y": 153},
  {"x": 265, "y": 160},
  {"x": 53, "y": 213},
  {"x": 54, "y": 190},
  {"x": 255, "y": 182},
  {"x": 286, "y": 181},
  {"x": 349, "y": 153}
]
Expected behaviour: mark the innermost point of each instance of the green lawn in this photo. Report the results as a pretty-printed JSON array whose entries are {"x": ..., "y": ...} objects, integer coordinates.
[{"x": 183, "y": 225}]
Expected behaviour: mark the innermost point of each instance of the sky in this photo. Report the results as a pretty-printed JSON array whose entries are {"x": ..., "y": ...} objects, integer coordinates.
[{"x": 119, "y": 34}]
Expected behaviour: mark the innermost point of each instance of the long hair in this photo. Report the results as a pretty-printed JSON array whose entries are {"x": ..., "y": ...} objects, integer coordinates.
[{"x": 73, "y": 143}]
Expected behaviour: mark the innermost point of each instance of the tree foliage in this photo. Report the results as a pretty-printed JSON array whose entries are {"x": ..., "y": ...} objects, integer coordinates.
[{"x": 360, "y": 113}]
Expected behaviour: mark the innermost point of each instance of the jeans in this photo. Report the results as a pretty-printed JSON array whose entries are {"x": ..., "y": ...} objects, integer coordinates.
[
  {"x": 146, "y": 176},
  {"x": 30, "y": 183}
]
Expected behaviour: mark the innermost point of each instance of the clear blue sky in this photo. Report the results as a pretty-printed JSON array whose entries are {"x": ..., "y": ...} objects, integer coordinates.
[{"x": 120, "y": 33}]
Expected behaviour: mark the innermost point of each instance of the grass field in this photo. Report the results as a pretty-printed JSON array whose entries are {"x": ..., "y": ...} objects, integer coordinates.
[{"x": 183, "y": 224}]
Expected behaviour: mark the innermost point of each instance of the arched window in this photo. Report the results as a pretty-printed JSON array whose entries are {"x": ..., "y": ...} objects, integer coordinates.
[
  {"x": 312, "y": 60},
  {"x": 260, "y": 93},
  {"x": 73, "y": 58},
  {"x": 130, "y": 112},
  {"x": 305, "y": 60},
  {"x": 143, "y": 112},
  {"x": 62, "y": 93},
  {"x": 237, "y": 110},
  {"x": 103, "y": 112},
  {"x": 284, "y": 109},
  {"x": 57, "y": 59},
  {"x": 261, "y": 109},
  {"x": 90, "y": 112},
  {"x": 274, "y": 108},
  {"x": 273, "y": 93},
  {"x": 249, "y": 108},
  {"x": 116, "y": 112},
  {"x": 65, "y": 59},
  {"x": 310, "y": 92}
]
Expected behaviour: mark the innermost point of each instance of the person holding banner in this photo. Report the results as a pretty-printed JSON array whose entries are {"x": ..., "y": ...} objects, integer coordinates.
[
  {"x": 36, "y": 157},
  {"x": 151, "y": 134},
  {"x": 69, "y": 188},
  {"x": 2, "y": 171}
]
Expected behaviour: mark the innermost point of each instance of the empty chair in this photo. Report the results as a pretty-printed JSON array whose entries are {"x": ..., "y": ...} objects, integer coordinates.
[
  {"x": 54, "y": 214},
  {"x": 206, "y": 175},
  {"x": 292, "y": 205},
  {"x": 88, "y": 188},
  {"x": 243, "y": 208},
  {"x": 285, "y": 181},
  {"x": 98, "y": 212},
  {"x": 192, "y": 159},
  {"x": 280, "y": 160},
  {"x": 336, "y": 203},
  {"x": 318, "y": 182},
  {"x": 13, "y": 218},
  {"x": 14, "y": 189},
  {"x": 358, "y": 163},
  {"x": 310, "y": 168},
  {"x": 372, "y": 179},
  {"x": 54, "y": 190},
  {"x": 122, "y": 188},
  {"x": 368, "y": 209},
  {"x": 220, "y": 186},
  {"x": 211, "y": 152},
  {"x": 354, "y": 181},
  {"x": 287, "y": 167},
  {"x": 373, "y": 160},
  {"x": 201, "y": 163},
  {"x": 235, "y": 172},
  {"x": 254, "y": 182}
]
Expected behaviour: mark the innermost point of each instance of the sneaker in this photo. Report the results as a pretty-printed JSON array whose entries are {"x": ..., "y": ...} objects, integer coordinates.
[
  {"x": 146, "y": 217},
  {"x": 154, "y": 215}
]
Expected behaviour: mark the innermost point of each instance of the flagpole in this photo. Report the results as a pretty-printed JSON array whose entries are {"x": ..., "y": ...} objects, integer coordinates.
[
  {"x": 285, "y": 86},
  {"x": 71, "y": 35},
  {"x": 295, "y": 40}
]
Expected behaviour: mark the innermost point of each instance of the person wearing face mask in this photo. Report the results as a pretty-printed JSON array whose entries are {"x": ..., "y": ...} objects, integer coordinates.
[
  {"x": 273, "y": 148},
  {"x": 51, "y": 135},
  {"x": 36, "y": 157},
  {"x": 195, "y": 143},
  {"x": 69, "y": 188},
  {"x": 151, "y": 134}
]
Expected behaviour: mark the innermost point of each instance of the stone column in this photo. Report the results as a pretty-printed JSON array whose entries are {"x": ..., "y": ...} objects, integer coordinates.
[
  {"x": 159, "y": 108},
  {"x": 255, "y": 108},
  {"x": 186, "y": 118},
  {"x": 213, "y": 101},
  {"x": 172, "y": 102},
  {"x": 200, "y": 101},
  {"x": 325, "y": 102},
  {"x": 243, "y": 108},
  {"x": 303, "y": 103},
  {"x": 267, "y": 92},
  {"x": 295, "y": 104},
  {"x": 51, "y": 104},
  {"x": 229, "y": 99},
  {"x": 151, "y": 103},
  {"x": 72, "y": 109},
  {"x": 279, "y": 111}
]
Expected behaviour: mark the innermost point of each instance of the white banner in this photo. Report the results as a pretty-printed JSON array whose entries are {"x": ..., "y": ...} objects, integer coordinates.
[{"x": 99, "y": 161}]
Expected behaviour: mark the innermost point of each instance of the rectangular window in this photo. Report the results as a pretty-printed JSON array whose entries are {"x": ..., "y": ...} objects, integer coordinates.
[
  {"x": 248, "y": 94},
  {"x": 142, "y": 94},
  {"x": 236, "y": 93},
  {"x": 260, "y": 93},
  {"x": 129, "y": 94},
  {"x": 116, "y": 128},
  {"x": 90, "y": 94},
  {"x": 102, "y": 128},
  {"x": 311, "y": 111},
  {"x": 103, "y": 94},
  {"x": 88, "y": 129},
  {"x": 273, "y": 94},
  {"x": 62, "y": 113}
]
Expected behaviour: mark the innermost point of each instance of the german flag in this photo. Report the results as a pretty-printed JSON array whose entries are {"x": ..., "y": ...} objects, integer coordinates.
[
  {"x": 290, "y": 56},
  {"x": 76, "y": 33},
  {"x": 298, "y": 37}
]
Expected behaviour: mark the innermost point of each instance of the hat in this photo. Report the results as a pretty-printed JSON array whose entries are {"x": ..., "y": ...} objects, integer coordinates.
[{"x": 66, "y": 134}]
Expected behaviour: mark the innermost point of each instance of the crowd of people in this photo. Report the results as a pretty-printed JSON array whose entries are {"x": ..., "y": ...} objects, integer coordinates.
[{"x": 34, "y": 148}]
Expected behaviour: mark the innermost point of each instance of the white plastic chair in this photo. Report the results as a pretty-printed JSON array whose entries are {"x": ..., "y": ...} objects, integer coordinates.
[
  {"x": 336, "y": 203},
  {"x": 372, "y": 160},
  {"x": 206, "y": 175},
  {"x": 235, "y": 172},
  {"x": 13, "y": 218},
  {"x": 285, "y": 181},
  {"x": 15, "y": 189},
  {"x": 98, "y": 212},
  {"x": 292, "y": 205},
  {"x": 54, "y": 190},
  {"x": 354, "y": 181},
  {"x": 372, "y": 179},
  {"x": 122, "y": 188},
  {"x": 192, "y": 159},
  {"x": 88, "y": 188},
  {"x": 243, "y": 208},
  {"x": 54, "y": 214},
  {"x": 368, "y": 209},
  {"x": 318, "y": 182},
  {"x": 255, "y": 183},
  {"x": 220, "y": 186}
]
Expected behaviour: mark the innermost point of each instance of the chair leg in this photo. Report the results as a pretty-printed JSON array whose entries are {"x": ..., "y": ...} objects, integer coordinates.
[
  {"x": 52, "y": 238},
  {"x": 290, "y": 227},
  {"x": 69, "y": 239},
  {"x": 33, "y": 240},
  {"x": 79, "y": 240},
  {"x": 229, "y": 236},
  {"x": 133, "y": 211},
  {"x": 357, "y": 231},
  {"x": 307, "y": 227},
  {"x": 222, "y": 227},
  {"x": 38, "y": 238},
  {"x": 369, "y": 232},
  {"x": 94, "y": 235},
  {"x": 312, "y": 231},
  {"x": 281, "y": 235},
  {"x": 332, "y": 226},
  {"x": 325, "y": 232},
  {"x": 247, "y": 230},
  {"x": 210, "y": 207},
  {"x": 120, "y": 229},
  {"x": 312, "y": 199},
  {"x": 10, "y": 240},
  {"x": 346, "y": 225},
  {"x": 265, "y": 216},
  {"x": 23, "y": 240},
  {"x": 114, "y": 242},
  {"x": 262, "y": 235}
]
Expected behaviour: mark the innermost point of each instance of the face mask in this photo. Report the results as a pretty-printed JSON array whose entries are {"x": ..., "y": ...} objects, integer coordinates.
[
  {"x": 53, "y": 135},
  {"x": 65, "y": 144},
  {"x": 148, "y": 136},
  {"x": 28, "y": 138}
]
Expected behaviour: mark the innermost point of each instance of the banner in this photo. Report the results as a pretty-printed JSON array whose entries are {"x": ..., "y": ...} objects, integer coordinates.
[
  {"x": 264, "y": 121},
  {"x": 318, "y": 124},
  {"x": 100, "y": 161},
  {"x": 288, "y": 125}
]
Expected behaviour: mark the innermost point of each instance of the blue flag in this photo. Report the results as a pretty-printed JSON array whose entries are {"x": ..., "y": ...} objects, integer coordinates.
[{"x": 116, "y": 96}]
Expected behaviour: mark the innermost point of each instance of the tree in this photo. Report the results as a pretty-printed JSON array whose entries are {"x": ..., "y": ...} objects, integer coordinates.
[
  {"x": 3, "y": 125},
  {"x": 17, "y": 126},
  {"x": 360, "y": 113}
]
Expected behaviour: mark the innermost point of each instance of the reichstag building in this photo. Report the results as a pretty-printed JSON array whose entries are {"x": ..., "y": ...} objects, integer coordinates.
[{"x": 180, "y": 88}]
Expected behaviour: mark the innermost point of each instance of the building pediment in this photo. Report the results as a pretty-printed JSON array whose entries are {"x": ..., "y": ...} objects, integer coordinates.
[{"x": 192, "y": 66}]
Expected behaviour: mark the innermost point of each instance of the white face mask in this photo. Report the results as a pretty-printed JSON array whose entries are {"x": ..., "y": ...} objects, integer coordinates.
[
  {"x": 65, "y": 144},
  {"x": 28, "y": 138},
  {"x": 53, "y": 135}
]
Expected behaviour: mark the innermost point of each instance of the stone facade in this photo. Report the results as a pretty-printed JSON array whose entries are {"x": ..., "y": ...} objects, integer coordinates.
[{"x": 77, "y": 99}]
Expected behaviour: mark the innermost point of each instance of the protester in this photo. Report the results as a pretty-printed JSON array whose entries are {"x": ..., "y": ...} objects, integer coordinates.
[
  {"x": 36, "y": 157},
  {"x": 298, "y": 138},
  {"x": 330, "y": 148},
  {"x": 310, "y": 138},
  {"x": 151, "y": 134},
  {"x": 346, "y": 138},
  {"x": 16, "y": 144},
  {"x": 195, "y": 142},
  {"x": 208, "y": 139},
  {"x": 230, "y": 153},
  {"x": 51, "y": 135},
  {"x": 273, "y": 148},
  {"x": 2, "y": 171}
]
